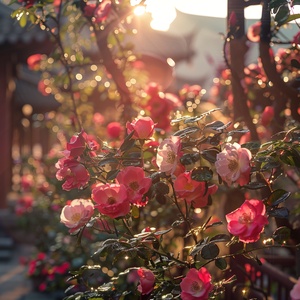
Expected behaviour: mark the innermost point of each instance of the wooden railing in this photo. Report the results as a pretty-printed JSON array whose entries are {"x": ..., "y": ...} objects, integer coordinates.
[{"x": 261, "y": 282}]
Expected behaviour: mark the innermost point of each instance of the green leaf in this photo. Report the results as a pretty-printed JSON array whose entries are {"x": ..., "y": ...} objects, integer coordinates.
[
  {"x": 252, "y": 146},
  {"x": 161, "y": 188},
  {"x": 23, "y": 20},
  {"x": 189, "y": 158},
  {"x": 282, "y": 234},
  {"x": 210, "y": 251},
  {"x": 161, "y": 232},
  {"x": 210, "y": 154},
  {"x": 276, "y": 3},
  {"x": 202, "y": 174},
  {"x": 220, "y": 238},
  {"x": 277, "y": 197},
  {"x": 134, "y": 163},
  {"x": 217, "y": 126},
  {"x": 255, "y": 185},
  {"x": 237, "y": 131},
  {"x": 290, "y": 157},
  {"x": 135, "y": 212},
  {"x": 282, "y": 15},
  {"x": 286, "y": 156},
  {"x": 280, "y": 212},
  {"x": 111, "y": 175},
  {"x": 108, "y": 161},
  {"x": 221, "y": 263},
  {"x": 186, "y": 131},
  {"x": 128, "y": 142},
  {"x": 214, "y": 224},
  {"x": 295, "y": 63},
  {"x": 269, "y": 165}
]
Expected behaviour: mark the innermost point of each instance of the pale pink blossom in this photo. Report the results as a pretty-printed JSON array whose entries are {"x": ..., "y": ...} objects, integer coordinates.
[
  {"x": 295, "y": 292},
  {"x": 75, "y": 174},
  {"x": 143, "y": 128},
  {"x": 76, "y": 214},
  {"x": 133, "y": 178},
  {"x": 196, "y": 285},
  {"x": 248, "y": 221},
  {"x": 168, "y": 154},
  {"x": 147, "y": 280},
  {"x": 195, "y": 192},
  {"x": 233, "y": 164},
  {"x": 111, "y": 199}
]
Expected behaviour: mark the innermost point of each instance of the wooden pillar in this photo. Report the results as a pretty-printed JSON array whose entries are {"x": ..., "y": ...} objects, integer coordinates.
[
  {"x": 237, "y": 51},
  {"x": 5, "y": 129}
]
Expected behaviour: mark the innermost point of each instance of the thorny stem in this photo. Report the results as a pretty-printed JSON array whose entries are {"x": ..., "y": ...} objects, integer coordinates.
[
  {"x": 185, "y": 218},
  {"x": 127, "y": 227},
  {"x": 165, "y": 253}
]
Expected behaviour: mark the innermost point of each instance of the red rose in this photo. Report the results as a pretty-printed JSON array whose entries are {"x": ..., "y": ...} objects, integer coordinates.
[
  {"x": 114, "y": 130},
  {"x": 77, "y": 144},
  {"x": 147, "y": 280}
]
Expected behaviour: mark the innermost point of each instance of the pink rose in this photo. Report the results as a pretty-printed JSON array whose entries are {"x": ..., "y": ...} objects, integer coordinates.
[
  {"x": 77, "y": 214},
  {"x": 233, "y": 164},
  {"x": 42, "y": 88},
  {"x": 152, "y": 89},
  {"x": 267, "y": 116},
  {"x": 77, "y": 144},
  {"x": 248, "y": 221},
  {"x": 253, "y": 33},
  {"x": 98, "y": 118},
  {"x": 111, "y": 200},
  {"x": 75, "y": 174},
  {"x": 100, "y": 12},
  {"x": 168, "y": 154},
  {"x": 24, "y": 205},
  {"x": 89, "y": 9},
  {"x": 193, "y": 191},
  {"x": 33, "y": 61},
  {"x": 196, "y": 285},
  {"x": 147, "y": 280},
  {"x": 133, "y": 178},
  {"x": 114, "y": 130},
  {"x": 295, "y": 292},
  {"x": 143, "y": 128},
  {"x": 27, "y": 182},
  {"x": 296, "y": 38}
]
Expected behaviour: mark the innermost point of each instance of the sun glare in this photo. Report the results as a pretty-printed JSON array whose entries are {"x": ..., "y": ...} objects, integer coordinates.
[{"x": 163, "y": 12}]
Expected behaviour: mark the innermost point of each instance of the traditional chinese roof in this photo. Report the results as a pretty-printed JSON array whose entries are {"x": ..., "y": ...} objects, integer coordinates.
[{"x": 12, "y": 33}]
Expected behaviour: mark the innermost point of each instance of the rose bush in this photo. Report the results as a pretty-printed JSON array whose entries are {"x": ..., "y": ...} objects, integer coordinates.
[{"x": 149, "y": 186}]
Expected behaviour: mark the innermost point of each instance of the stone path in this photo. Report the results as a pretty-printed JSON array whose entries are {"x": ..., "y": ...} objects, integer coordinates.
[{"x": 14, "y": 284}]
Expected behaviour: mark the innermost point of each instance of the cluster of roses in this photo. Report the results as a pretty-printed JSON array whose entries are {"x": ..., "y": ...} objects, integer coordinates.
[
  {"x": 115, "y": 199},
  {"x": 46, "y": 270}
]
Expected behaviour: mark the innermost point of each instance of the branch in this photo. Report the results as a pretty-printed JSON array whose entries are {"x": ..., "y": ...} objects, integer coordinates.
[{"x": 269, "y": 64}]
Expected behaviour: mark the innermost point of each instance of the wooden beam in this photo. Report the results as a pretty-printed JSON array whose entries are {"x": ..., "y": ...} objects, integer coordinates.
[{"x": 5, "y": 129}]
